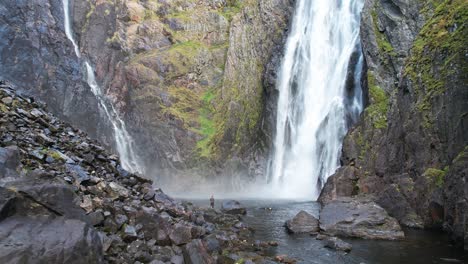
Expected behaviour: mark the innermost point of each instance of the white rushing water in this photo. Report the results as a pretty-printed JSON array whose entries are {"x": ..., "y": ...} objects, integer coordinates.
[
  {"x": 314, "y": 107},
  {"x": 124, "y": 142}
]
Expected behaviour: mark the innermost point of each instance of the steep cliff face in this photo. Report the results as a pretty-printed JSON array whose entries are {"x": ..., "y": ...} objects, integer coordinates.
[
  {"x": 409, "y": 149},
  {"x": 186, "y": 76},
  {"x": 36, "y": 56}
]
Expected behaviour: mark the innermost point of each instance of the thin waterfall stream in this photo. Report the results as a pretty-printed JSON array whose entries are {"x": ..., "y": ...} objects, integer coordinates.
[
  {"x": 123, "y": 141},
  {"x": 315, "y": 106}
]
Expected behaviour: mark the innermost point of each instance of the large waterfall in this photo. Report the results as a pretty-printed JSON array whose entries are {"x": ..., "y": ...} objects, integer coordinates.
[
  {"x": 316, "y": 102},
  {"x": 123, "y": 140}
]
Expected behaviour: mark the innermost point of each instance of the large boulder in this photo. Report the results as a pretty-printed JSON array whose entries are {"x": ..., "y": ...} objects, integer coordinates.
[
  {"x": 358, "y": 217},
  {"x": 233, "y": 207},
  {"x": 303, "y": 222},
  {"x": 48, "y": 240}
]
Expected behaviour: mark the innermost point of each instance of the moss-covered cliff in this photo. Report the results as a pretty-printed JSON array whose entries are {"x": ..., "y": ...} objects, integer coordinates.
[
  {"x": 406, "y": 146},
  {"x": 187, "y": 75}
]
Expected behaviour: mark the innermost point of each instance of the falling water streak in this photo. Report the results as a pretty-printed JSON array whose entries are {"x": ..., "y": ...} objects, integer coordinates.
[
  {"x": 123, "y": 140},
  {"x": 312, "y": 105},
  {"x": 68, "y": 30}
]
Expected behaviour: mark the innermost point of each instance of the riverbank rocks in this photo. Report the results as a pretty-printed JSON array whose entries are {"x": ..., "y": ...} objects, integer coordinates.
[
  {"x": 303, "y": 222},
  {"x": 233, "y": 207},
  {"x": 65, "y": 199},
  {"x": 360, "y": 218}
]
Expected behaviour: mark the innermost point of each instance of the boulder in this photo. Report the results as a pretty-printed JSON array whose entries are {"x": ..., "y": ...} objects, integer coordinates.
[
  {"x": 195, "y": 253},
  {"x": 303, "y": 222},
  {"x": 48, "y": 240},
  {"x": 358, "y": 217},
  {"x": 233, "y": 207},
  {"x": 181, "y": 234}
]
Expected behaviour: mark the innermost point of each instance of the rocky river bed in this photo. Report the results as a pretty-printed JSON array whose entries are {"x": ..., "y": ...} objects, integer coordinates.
[{"x": 267, "y": 218}]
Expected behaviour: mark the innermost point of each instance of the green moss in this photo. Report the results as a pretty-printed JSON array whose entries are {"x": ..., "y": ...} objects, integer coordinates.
[
  {"x": 54, "y": 154},
  {"x": 440, "y": 45},
  {"x": 436, "y": 176},
  {"x": 378, "y": 108},
  {"x": 384, "y": 45},
  {"x": 233, "y": 7},
  {"x": 186, "y": 103},
  {"x": 3, "y": 108},
  {"x": 207, "y": 126}
]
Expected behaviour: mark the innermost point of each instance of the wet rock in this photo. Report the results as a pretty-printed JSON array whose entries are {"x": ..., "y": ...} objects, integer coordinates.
[
  {"x": 195, "y": 253},
  {"x": 358, "y": 217},
  {"x": 303, "y": 222},
  {"x": 233, "y": 207},
  {"x": 337, "y": 244},
  {"x": 35, "y": 241}
]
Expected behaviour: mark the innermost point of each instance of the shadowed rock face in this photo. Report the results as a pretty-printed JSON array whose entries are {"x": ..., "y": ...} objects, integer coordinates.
[
  {"x": 36, "y": 56},
  {"x": 404, "y": 150},
  {"x": 358, "y": 217}
]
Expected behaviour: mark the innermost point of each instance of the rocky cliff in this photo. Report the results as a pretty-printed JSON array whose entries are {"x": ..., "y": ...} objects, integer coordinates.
[
  {"x": 409, "y": 149},
  {"x": 186, "y": 76}
]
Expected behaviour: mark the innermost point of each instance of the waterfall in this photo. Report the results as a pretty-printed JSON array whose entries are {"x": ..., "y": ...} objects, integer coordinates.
[
  {"x": 315, "y": 105},
  {"x": 123, "y": 140}
]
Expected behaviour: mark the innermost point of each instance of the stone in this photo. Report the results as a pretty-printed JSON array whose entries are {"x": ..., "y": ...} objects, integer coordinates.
[
  {"x": 358, "y": 217},
  {"x": 9, "y": 162},
  {"x": 177, "y": 259},
  {"x": 181, "y": 234},
  {"x": 195, "y": 253},
  {"x": 303, "y": 222},
  {"x": 129, "y": 234},
  {"x": 7, "y": 100},
  {"x": 78, "y": 173},
  {"x": 337, "y": 244},
  {"x": 233, "y": 207},
  {"x": 119, "y": 189},
  {"x": 96, "y": 218}
]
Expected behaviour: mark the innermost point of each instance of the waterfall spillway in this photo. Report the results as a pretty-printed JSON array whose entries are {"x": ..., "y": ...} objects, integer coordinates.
[
  {"x": 315, "y": 102},
  {"x": 123, "y": 141}
]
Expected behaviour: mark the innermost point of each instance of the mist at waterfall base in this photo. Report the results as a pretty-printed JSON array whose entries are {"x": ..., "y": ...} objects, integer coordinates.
[{"x": 320, "y": 97}]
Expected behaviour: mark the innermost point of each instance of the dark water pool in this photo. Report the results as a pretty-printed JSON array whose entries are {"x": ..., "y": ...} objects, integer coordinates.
[{"x": 419, "y": 247}]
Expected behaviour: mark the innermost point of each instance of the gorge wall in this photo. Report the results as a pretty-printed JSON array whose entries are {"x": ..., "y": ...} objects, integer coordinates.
[
  {"x": 186, "y": 76},
  {"x": 409, "y": 150}
]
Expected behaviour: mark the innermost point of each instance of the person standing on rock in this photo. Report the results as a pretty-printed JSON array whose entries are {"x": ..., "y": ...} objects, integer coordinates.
[{"x": 212, "y": 201}]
